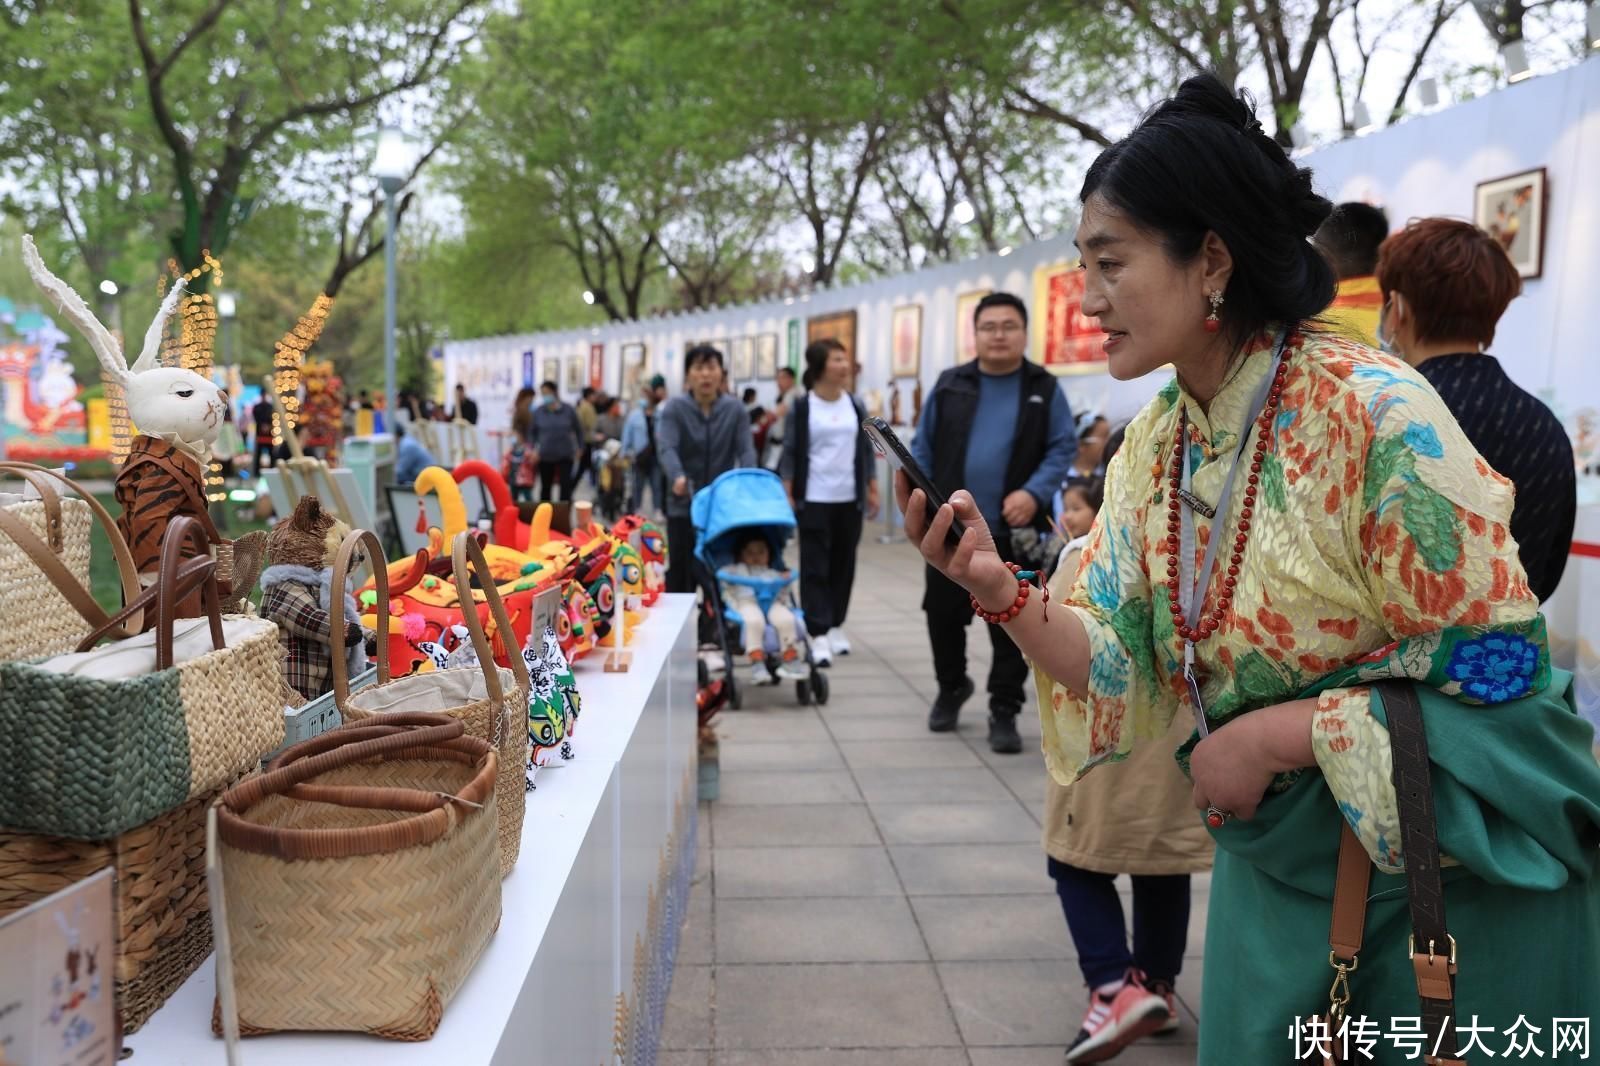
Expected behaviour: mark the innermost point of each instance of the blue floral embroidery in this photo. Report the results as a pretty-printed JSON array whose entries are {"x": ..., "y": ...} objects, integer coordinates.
[
  {"x": 1494, "y": 668},
  {"x": 1424, "y": 441}
]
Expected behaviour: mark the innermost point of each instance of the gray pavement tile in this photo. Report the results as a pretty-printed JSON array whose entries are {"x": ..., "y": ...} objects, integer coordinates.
[
  {"x": 850, "y": 1005},
  {"x": 1152, "y": 1051},
  {"x": 849, "y": 1057},
  {"x": 766, "y": 873},
  {"x": 744, "y": 755},
  {"x": 1189, "y": 987},
  {"x": 1047, "y": 1055},
  {"x": 780, "y": 786},
  {"x": 1009, "y": 1003},
  {"x": 694, "y": 946},
  {"x": 970, "y": 869},
  {"x": 879, "y": 929},
  {"x": 908, "y": 723},
  {"x": 955, "y": 823},
  {"x": 783, "y": 726},
  {"x": 955, "y": 785},
  {"x": 684, "y": 1058},
  {"x": 688, "y": 1020},
  {"x": 1000, "y": 928},
  {"x": 791, "y": 825},
  {"x": 933, "y": 753}
]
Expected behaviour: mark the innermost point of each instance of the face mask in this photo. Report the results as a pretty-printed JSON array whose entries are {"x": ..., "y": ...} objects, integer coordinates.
[
  {"x": 1385, "y": 343},
  {"x": 551, "y": 401}
]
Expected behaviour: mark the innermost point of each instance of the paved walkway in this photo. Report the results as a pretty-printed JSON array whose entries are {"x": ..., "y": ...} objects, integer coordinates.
[{"x": 872, "y": 894}]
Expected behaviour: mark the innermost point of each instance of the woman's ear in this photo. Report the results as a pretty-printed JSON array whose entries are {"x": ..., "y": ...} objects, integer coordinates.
[{"x": 1216, "y": 263}]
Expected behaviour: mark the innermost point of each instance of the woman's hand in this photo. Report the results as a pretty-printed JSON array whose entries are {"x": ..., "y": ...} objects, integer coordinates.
[
  {"x": 873, "y": 500},
  {"x": 976, "y": 565},
  {"x": 1233, "y": 766}
]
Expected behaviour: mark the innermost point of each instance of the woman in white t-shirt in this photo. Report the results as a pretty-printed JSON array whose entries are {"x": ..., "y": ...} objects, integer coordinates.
[{"x": 827, "y": 470}]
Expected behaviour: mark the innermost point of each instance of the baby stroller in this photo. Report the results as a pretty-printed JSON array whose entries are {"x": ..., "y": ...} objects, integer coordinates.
[{"x": 724, "y": 511}]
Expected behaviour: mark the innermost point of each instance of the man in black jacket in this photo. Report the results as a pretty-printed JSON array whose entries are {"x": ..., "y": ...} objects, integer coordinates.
[{"x": 1000, "y": 428}]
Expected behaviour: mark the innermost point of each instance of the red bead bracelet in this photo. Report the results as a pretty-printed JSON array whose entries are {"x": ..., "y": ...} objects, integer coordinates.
[{"x": 1024, "y": 577}]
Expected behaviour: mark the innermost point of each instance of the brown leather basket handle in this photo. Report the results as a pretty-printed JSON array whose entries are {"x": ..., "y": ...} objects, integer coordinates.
[
  {"x": 466, "y": 550},
  {"x": 431, "y": 813},
  {"x": 192, "y": 574},
  {"x": 45, "y": 556},
  {"x": 380, "y": 575}
]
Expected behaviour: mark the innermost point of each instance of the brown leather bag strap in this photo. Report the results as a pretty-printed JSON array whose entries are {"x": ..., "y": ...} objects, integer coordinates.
[
  {"x": 353, "y": 540},
  {"x": 175, "y": 580},
  {"x": 1433, "y": 949},
  {"x": 1349, "y": 923}
]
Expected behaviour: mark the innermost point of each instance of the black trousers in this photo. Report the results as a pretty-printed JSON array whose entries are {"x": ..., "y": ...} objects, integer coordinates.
[
  {"x": 829, "y": 535},
  {"x": 553, "y": 471},
  {"x": 949, "y": 610},
  {"x": 680, "y": 553},
  {"x": 263, "y": 448}
]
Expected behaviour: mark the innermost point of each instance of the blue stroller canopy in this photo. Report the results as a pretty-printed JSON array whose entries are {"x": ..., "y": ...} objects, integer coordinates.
[{"x": 735, "y": 502}]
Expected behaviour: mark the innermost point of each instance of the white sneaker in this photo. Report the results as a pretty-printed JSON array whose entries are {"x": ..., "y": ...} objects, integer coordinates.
[
  {"x": 792, "y": 672},
  {"x": 760, "y": 675},
  {"x": 821, "y": 650},
  {"x": 838, "y": 641}
]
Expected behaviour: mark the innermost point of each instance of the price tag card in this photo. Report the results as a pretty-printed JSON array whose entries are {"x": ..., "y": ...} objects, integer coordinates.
[{"x": 58, "y": 959}]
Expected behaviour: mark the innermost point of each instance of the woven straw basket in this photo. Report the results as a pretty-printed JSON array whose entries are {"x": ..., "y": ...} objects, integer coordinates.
[
  {"x": 491, "y": 702},
  {"x": 163, "y": 922},
  {"x": 360, "y": 879},
  {"x": 92, "y": 757},
  {"x": 44, "y": 535}
]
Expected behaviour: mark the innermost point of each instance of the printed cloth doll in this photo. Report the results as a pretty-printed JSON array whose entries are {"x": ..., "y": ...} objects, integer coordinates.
[{"x": 297, "y": 588}]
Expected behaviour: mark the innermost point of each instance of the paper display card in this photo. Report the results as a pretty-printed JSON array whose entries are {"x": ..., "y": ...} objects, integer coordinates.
[{"x": 57, "y": 964}]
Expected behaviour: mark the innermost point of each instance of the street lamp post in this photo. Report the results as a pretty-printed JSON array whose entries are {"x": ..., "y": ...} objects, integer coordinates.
[
  {"x": 227, "y": 308},
  {"x": 390, "y": 167}
]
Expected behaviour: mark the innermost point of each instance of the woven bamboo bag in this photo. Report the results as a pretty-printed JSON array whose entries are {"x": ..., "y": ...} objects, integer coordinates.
[
  {"x": 51, "y": 535},
  {"x": 102, "y": 740},
  {"x": 492, "y": 702},
  {"x": 359, "y": 878},
  {"x": 163, "y": 918}
]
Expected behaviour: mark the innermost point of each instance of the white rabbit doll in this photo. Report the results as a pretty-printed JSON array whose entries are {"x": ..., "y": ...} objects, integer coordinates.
[{"x": 178, "y": 412}]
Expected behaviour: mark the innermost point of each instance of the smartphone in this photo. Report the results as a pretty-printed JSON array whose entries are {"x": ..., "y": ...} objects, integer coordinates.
[{"x": 889, "y": 446}]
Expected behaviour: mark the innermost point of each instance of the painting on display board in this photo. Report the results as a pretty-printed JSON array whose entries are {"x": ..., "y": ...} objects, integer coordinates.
[
  {"x": 1065, "y": 340},
  {"x": 597, "y": 366},
  {"x": 743, "y": 358},
  {"x": 905, "y": 356},
  {"x": 767, "y": 356},
  {"x": 633, "y": 366},
  {"x": 839, "y": 326},
  {"x": 1512, "y": 211},
  {"x": 575, "y": 373},
  {"x": 966, "y": 332},
  {"x": 550, "y": 370}
]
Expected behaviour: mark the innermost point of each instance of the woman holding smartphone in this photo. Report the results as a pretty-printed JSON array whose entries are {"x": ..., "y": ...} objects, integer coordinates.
[{"x": 1293, "y": 518}]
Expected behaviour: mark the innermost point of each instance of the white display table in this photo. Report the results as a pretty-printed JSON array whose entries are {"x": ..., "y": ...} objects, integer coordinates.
[{"x": 578, "y": 971}]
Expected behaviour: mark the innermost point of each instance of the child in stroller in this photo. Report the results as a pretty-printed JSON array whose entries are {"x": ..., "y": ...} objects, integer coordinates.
[{"x": 757, "y": 591}]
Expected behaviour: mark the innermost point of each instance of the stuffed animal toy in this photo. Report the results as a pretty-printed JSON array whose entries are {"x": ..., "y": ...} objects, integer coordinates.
[
  {"x": 298, "y": 592},
  {"x": 179, "y": 414}
]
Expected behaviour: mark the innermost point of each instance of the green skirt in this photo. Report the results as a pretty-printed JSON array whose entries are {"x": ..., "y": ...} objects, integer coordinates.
[{"x": 1517, "y": 797}]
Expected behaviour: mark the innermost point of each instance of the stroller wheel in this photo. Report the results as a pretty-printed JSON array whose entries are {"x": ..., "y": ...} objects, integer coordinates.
[
  {"x": 802, "y": 692},
  {"x": 819, "y": 686}
]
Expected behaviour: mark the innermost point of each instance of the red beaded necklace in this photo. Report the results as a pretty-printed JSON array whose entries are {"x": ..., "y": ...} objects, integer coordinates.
[{"x": 1207, "y": 625}]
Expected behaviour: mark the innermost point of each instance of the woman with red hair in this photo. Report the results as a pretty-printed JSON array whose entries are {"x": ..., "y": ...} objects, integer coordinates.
[{"x": 1445, "y": 284}]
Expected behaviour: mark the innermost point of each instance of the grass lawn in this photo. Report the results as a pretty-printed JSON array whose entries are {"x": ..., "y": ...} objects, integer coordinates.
[{"x": 103, "y": 566}]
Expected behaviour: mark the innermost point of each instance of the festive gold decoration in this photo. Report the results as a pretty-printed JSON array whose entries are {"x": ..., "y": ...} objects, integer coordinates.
[{"x": 289, "y": 358}]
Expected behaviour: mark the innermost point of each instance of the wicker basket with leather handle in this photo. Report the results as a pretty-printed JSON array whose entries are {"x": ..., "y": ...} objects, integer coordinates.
[{"x": 360, "y": 878}]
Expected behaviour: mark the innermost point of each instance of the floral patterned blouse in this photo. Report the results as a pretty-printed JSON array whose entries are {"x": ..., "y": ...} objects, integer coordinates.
[{"x": 1375, "y": 521}]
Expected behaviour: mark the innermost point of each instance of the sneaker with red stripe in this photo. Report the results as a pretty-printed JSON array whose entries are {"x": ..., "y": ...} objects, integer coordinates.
[{"x": 1116, "y": 1020}]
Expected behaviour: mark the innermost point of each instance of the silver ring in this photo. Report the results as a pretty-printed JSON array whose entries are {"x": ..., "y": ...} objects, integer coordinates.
[{"x": 1215, "y": 817}]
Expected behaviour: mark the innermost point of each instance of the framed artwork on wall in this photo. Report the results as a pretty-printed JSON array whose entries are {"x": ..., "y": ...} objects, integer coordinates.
[
  {"x": 839, "y": 326},
  {"x": 767, "y": 356},
  {"x": 550, "y": 370},
  {"x": 633, "y": 365},
  {"x": 905, "y": 357},
  {"x": 576, "y": 365},
  {"x": 742, "y": 360},
  {"x": 597, "y": 366},
  {"x": 1512, "y": 211},
  {"x": 1065, "y": 340},
  {"x": 966, "y": 332}
]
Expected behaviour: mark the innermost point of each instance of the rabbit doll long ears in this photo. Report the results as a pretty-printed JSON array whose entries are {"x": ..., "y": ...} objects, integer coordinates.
[
  {"x": 70, "y": 304},
  {"x": 152, "y": 338}
]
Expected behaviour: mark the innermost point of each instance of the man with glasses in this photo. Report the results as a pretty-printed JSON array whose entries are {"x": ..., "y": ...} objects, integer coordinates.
[{"x": 1000, "y": 428}]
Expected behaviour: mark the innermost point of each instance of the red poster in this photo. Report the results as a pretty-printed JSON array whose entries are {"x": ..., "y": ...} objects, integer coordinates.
[
  {"x": 1072, "y": 340},
  {"x": 597, "y": 366}
]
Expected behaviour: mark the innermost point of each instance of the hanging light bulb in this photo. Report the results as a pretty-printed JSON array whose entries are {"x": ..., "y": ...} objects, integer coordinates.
[
  {"x": 1363, "y": 118},
  {"x": 1428, "y": 90},
  {"x": 963, "y": 213},
  {"x": 1515, "y": 54}
]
